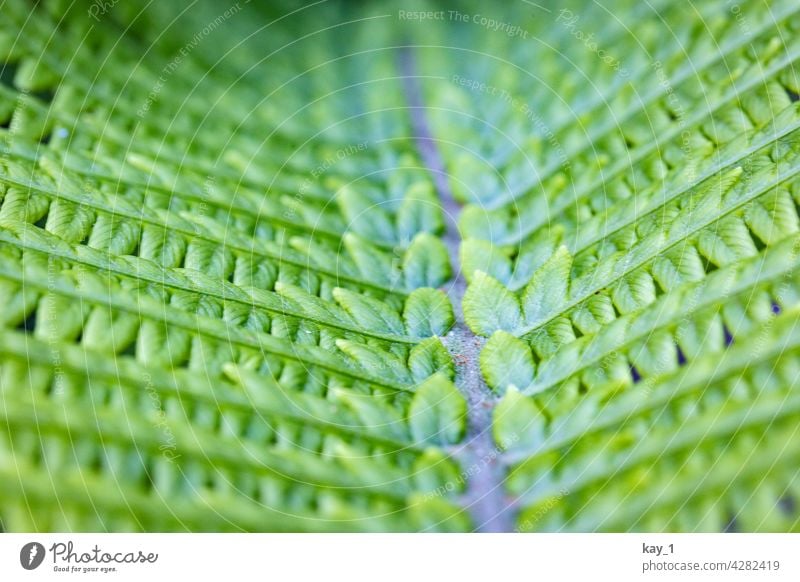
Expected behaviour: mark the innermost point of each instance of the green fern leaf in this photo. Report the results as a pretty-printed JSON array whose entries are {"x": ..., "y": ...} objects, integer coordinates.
[
  {"x": 506, "y": 360},
  {"x": 304, "y": 292},
  {"x": 489, "y": 306},
  {"x": 437, "y": 414}
]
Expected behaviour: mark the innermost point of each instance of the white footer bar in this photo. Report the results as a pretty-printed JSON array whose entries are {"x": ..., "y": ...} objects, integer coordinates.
[{"x": 389, "y": 557}]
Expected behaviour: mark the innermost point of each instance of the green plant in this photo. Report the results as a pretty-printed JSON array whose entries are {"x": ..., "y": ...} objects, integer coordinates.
[{"x": 236, "y": 297}]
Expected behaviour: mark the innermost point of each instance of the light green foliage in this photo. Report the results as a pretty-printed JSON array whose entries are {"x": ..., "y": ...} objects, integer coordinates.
[
  {"x": 506, "y": 360},
  {"x": 549, "y": 287},
  {"x": 419, "y": 212},
  {"x": 481, "y": 255},
  {"x": 368, "y": 313},
  {"x": 632, "y": 237},
  {"x": 429, "y": 357},
  {"x": 517, "y": 424},
  {"x": 230, "y": 292},
  {"x": 426, "y": 263},
  {"x": 489, "y": 306},
  {"x": 428, "y": 312},
  {"x": 437, "y": 414},
  {"x": 212, "y": 319}
]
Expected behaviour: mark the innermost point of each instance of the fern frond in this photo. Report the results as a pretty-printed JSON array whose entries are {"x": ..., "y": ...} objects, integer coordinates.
[{"x": 259, "y": 274}]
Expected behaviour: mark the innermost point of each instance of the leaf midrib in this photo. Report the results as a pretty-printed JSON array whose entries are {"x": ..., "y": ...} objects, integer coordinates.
[
  {"x": 200, "y": 325},
  {"x": 708, "y": 300},
  {"x": 657, "y": 204},
  {"x": 684, "y": 235},
  {"x": 639, "y": 154},
  {"x": 197, "y": 233},
  {"x": 672, "y": 386},
  {"x": 128, "y": 372},
  {"x": 168, "y": 280},
  {"x": 684, "y": 74}
]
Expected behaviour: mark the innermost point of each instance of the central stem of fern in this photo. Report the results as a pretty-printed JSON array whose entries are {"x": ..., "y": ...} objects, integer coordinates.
[{"x": 478, "y": 455}]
